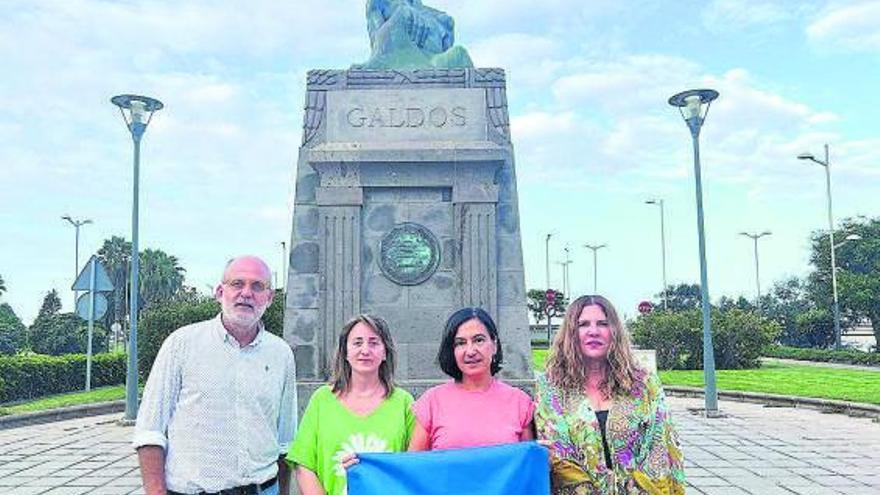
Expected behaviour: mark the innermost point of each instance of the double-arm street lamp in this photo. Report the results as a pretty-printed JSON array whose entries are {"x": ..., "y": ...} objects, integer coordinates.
[
  {"x": 659, "y": 202},
  {"x": 826, "y": 163},
  {"x": 595, "y": 248},
  {"x": 694, "y": 106},
  {"x": 137, "y": 111},
  {"x": 76, "y": 225},
  {"x": 754, "y": 236}
]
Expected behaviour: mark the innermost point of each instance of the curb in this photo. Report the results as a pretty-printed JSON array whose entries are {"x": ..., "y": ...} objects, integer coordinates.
[
  {"x": 772, "y": 400},
  {"x": 62, "y": 413}
]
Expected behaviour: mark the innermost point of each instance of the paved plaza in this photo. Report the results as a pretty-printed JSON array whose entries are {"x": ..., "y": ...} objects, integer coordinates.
[{"x": 751, "y": 450}]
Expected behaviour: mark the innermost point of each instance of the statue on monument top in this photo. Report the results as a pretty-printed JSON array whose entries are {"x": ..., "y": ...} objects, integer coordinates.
[{"x": 404, "y": 34}]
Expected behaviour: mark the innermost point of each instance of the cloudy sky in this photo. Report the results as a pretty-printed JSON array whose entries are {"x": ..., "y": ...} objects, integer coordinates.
[{"x": 587, "y": 85}]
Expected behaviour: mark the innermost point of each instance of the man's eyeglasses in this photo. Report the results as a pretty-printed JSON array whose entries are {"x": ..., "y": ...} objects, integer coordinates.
[{"x": 257, "y": 286}]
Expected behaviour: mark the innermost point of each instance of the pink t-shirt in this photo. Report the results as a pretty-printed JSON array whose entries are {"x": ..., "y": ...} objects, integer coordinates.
[{"x": 456, "y": 418}]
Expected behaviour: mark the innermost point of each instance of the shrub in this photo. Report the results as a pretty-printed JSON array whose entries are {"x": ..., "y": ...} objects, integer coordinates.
[
  {"x": 35, "y": 375},
  {"x": 64, "y": 333},
  {"x": 815, "y": 328},
  {"x": 157, "y": 323},
  {"x": 846, "y": 356},
  {"x": 676, "y": 336},
  {"x": 738, "y": 337}
]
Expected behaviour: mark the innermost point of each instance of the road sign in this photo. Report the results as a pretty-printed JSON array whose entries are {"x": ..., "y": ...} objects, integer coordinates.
[
  {"x": 82, "y": 305},
  {"x": 102, "y": 280},
  {"x": 645, "y": 307}
]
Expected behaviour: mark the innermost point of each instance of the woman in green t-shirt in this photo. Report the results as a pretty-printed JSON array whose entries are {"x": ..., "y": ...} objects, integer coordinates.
[{"x": 359, "y": 411}]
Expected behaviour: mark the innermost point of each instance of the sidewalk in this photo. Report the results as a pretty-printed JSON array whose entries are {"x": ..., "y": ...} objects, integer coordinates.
[{"x": 751, "y": 450}]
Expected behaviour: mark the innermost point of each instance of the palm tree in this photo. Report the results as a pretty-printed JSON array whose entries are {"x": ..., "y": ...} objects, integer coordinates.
[
  {"x": 161, "y": 276},
  {"x": 115, "y": 254}
]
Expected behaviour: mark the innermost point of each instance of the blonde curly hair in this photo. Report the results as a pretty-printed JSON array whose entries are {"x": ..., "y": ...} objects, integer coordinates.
[{"x": 567, "y": 367}]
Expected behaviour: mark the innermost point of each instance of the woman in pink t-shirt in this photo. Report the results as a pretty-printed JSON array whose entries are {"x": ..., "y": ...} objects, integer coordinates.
[{"x": 475, "y": 408}]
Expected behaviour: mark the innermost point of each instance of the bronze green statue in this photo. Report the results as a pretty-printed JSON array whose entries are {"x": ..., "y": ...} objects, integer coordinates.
[{"x": 404, "y": 34}]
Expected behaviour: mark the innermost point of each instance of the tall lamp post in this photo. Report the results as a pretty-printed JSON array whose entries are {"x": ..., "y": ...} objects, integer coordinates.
[
  {"x": 595, "y": 248},
  {"x": 564, "y": 266},
  {"x": 827, "y": 165},
  {"x": 754, "y": 236},
  {"x": 694, "y": 107},
  {"x": 659, "y": 202},
  {"x": 137, "y": 111},
  {"x": 547, "y": 257},
  {"x": 283, "y": 264},
  {"x": 76, "y": 225}
]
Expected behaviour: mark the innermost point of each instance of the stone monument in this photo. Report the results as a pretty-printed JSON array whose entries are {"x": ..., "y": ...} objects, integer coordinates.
[{"x": 406, "y": 208}]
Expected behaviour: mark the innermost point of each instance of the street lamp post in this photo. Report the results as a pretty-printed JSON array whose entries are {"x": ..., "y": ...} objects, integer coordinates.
[
  {"x": 76, "y": 225},
  {"x": 547, "y": 257},
  {"x": 659, "y": 202},
  {"x": 754, "y": 236},
  {"x": 836, "y": 306},
  {"x": 694, "y": 107},
  {"x": 595, "y": 248},
  {"x": 140, "y": 111},
  {"x": 564, "y": 266},
  {"x": 284, "y": 264}
]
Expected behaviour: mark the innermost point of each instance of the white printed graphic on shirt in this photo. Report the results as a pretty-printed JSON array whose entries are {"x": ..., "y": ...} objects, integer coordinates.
[{"x": 358, "y": 443}]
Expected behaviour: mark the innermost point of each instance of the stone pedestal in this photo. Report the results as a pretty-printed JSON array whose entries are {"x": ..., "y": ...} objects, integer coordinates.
[{"x": 405, "y": 208}]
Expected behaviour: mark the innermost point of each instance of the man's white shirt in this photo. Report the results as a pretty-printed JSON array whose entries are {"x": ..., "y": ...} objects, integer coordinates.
[{"x": 222, "y": 413}]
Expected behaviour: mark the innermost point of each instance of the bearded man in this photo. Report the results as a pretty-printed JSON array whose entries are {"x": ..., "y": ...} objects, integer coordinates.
[{"x": 219, "y": 408}]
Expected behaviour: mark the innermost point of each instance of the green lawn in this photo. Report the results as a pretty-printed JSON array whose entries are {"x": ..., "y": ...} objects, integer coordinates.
[
  {"x": 778, "y": 378},
  {"x": 102, "y": 394}
]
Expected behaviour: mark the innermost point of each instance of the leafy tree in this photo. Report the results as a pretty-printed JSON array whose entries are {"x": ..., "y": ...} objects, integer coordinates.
[
  {"x": 783, "y": 303},
  {"x": 858, "y": 271},
  {"x": 12, "y": 331},
  {"x": 727, "y": 303},
  {"x": 64, "y": 333},
  {"x": 815, "y": 328},
  {"x": 681, "y": 297},
  {"x": 2, "y": 285},
  {"x": 51, "y": 305},
  {"x": 538, "y": 304}
]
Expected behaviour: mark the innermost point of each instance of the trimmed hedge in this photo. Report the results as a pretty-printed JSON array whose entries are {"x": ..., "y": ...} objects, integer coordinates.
[
  {"x": 36, "y": 375},
  {"x": 847, "y": 356}
]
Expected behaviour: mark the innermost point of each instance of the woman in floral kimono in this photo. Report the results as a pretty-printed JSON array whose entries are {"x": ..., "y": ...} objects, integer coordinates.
[{"x": 602, "y": 415}]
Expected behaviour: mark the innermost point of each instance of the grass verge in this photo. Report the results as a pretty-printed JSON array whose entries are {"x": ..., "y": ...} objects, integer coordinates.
[
  {"x": 102, "y": 394},
  {"x": 823, "y": 382}
]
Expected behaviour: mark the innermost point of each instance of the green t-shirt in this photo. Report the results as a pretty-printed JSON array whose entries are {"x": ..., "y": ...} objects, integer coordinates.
[{"x": 328, "y": 431}]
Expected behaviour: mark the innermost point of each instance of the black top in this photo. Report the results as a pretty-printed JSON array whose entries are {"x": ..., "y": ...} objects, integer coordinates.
[{"x": 602, "y": 416}]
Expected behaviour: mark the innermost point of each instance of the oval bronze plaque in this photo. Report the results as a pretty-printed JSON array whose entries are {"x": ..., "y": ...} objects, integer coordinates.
[{"x": 409, "y": 254}]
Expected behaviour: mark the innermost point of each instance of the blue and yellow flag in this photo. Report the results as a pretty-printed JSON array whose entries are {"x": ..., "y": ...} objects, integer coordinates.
[{"x": 510, "y": 469}]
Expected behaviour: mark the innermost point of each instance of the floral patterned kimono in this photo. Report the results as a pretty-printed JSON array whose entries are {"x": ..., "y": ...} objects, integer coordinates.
[{"x": 645, "y": 453}]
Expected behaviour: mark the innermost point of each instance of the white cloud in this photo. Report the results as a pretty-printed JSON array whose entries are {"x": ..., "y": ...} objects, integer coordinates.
[
  {"x": 529, "y": 60},
  {"x": 852, "y": 27},
  {"x": 732, "y": 15},
  {"x": 625, "y": 84}
]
